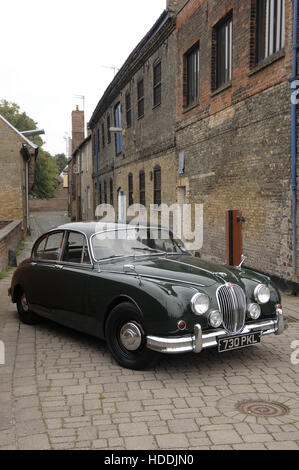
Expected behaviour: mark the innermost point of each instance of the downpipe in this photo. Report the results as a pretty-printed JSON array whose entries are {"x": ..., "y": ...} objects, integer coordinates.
[{"x": 294, "y": 85}]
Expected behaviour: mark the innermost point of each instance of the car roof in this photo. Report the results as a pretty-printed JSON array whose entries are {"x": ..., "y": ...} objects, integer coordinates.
[{"x": 90, "y": 228}]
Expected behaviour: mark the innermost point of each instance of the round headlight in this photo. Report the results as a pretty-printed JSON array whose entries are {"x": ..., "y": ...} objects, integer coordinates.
[
  {"x": 200, "y": 304},
  {"x": 254, "y": 311},
  {"x": 262, "y": 294},
  {"x": 215, "y": 319}
]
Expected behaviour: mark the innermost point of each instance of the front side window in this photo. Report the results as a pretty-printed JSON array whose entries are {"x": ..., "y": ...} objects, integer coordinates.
[
  {"x": 49, "y": 248},
  {"x": 76, "y": 250},
  {"x": 157, "y": 84},
  {"x": 140, "y": 98},
  {"x": 270, "y": 28},
  {"x": 224, "y": 51},
  {"x": 192, "y": 76}
]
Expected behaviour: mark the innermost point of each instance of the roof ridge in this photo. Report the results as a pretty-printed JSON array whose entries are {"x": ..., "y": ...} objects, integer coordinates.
[{"x": 27, "y": 141}]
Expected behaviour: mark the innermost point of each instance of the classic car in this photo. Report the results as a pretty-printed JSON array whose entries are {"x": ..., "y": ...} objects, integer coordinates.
[{"x": 138, "y": 288}]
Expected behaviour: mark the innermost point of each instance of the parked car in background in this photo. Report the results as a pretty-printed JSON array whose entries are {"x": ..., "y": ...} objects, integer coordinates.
[{"x": 140, "y": 290}]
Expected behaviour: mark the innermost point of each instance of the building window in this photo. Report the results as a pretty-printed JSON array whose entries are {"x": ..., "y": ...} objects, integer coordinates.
[
  {"x": 140, "y": 98},
  {"x": 191, "y": 73},
  {"x": 130, "y": 185},
  {"x": 142, "y": 188},
  {"x": 111, "y": 191},
  {"x": 222, "y": 52},
  {"x": 108, "y": 129},
  {"x": 105, "y": 192},
  {"x": 157, "y": 185},
  {"x": 270, "y": 28},
  {"x": 100, "y": 194},
  {"x": 128, "y": 110},
  {"x": 103, "y": 135},
  {"x": 157, "y": 84},
  {"x": 118, "y": 123}
]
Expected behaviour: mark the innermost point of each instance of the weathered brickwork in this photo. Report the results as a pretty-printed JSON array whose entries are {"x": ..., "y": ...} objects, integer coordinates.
[
  {"x": 12, "y": 174},
  {"x": 237, "y": 139},
  {"x": 10, "y": 238},
  {"x": 149, "y": 140}
]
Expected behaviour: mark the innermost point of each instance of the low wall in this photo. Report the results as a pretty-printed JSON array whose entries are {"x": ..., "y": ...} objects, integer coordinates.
[
  {"x": 10, "y": 237},
  {"x": 58, "y": 203}
]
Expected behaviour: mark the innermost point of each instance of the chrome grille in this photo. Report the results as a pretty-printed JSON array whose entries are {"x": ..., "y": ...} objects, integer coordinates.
[{"x": 232, "y": 304}]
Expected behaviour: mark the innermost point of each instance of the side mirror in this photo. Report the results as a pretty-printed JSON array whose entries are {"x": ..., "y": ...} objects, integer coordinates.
[
  {"x": 243, "y": 258},
  {"x": 129, "y": 268}
]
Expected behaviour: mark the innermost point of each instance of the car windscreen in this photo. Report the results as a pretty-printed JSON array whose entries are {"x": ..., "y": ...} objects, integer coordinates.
[{"x": 135, "y": 242}]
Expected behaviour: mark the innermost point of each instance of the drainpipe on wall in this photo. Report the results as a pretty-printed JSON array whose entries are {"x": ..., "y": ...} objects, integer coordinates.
[{"x": 294, "y": 86}]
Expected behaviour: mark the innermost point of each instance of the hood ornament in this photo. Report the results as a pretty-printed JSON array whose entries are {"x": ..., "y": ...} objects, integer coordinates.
[{"x": 244, "y": 258}]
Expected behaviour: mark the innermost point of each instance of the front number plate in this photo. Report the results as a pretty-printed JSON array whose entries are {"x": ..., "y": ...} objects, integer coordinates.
[{"x": 238, "y": 342}]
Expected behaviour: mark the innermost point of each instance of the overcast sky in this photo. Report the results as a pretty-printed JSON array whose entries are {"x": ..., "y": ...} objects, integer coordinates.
[{"x": 54, "y": 49}]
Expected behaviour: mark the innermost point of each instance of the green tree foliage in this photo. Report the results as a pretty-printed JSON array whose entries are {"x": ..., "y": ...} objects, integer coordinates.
[
  {"x": 46, "y": 172},
  {"x": 11, "y": 112},
  {"x": 46, "y": 169},
  {"x": 61, "y": 161}
]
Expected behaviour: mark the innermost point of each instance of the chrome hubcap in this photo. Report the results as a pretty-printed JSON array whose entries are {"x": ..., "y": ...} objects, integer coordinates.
[
  {"x": 131, "y": 337},
  {"x": 24, "y": 302}
]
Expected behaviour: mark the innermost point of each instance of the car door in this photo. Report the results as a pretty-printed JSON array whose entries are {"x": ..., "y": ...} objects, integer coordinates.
[
  {"x": 45, "y": 290},
  {"x": 75, "y": 271}
]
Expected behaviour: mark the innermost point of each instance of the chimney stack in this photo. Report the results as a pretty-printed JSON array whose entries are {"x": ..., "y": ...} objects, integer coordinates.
[{"x": 77, "y": 128}]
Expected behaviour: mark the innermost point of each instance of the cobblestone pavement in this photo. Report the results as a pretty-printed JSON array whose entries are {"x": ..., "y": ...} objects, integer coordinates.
[{"x": 62, "y": 390}]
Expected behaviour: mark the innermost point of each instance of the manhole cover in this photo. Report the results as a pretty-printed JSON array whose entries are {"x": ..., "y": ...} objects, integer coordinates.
[{"x": 263, "y": 408}]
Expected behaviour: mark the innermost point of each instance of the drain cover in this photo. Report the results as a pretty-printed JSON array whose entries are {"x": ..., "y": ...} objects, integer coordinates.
[{"x": 267, "y": 409}]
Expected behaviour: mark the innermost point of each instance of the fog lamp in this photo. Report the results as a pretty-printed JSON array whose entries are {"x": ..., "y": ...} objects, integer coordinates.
[
  {"x": 254, "y": 311},
  {"x": 215, "y": 319}
]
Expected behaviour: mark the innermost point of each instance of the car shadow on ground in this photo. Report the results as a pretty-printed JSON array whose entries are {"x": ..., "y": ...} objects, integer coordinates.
[{"x": 57, "y": 340}]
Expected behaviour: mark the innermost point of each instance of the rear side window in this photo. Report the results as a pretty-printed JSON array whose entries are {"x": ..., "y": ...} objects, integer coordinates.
[
  {"x": 49, "y": 248},
  {"x": 76, "y": 249}
]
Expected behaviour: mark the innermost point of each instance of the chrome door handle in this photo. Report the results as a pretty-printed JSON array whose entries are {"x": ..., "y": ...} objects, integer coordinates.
[{"x": 58, "y": 266}]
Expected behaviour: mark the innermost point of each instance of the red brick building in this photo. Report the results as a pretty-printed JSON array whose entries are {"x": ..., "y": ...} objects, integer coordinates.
[{"x": 233, "y": 127}]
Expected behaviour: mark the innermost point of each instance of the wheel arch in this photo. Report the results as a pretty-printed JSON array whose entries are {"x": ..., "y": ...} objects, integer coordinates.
[
  {"x": 118, "y": 301},
  {"x": 17, "y": 291}
]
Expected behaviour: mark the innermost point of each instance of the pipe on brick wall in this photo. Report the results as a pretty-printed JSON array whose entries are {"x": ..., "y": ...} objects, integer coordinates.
[{"x": 294, "y": 136}]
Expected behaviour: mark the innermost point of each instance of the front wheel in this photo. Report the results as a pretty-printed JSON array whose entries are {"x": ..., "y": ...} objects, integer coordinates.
[
  {"x": 25, "y": 314},
  {"x": 126, "y": 338}
]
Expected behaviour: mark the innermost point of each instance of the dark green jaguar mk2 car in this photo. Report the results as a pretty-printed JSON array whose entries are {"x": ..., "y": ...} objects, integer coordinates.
[{"x": 140, "y": 290}]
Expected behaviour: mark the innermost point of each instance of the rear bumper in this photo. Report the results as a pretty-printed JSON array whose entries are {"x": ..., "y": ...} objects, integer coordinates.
[{"x": 199, "y": 340}]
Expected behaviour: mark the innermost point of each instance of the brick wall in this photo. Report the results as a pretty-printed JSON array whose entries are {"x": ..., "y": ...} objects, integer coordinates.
[
  {"x": 58, "y": 203},
  {"x": 12, "y": 175},
  {"x": 10, "y": 238},
  {"x": 237, "y": 140}
]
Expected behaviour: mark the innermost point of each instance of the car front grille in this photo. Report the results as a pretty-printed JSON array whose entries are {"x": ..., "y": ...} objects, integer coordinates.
[{"x": 232, "y": 304}]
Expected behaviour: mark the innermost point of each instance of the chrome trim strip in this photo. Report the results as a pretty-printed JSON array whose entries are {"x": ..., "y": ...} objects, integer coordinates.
[{"x": 199, "y": 341}]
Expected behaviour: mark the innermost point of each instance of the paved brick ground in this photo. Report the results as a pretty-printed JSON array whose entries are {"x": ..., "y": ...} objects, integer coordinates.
[{"x": 62, "y": 390}]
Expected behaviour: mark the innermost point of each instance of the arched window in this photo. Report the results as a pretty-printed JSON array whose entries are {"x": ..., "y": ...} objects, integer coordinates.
[
  {"x": 105, "y": 192},
  {"x": 157, "y": 185},
  {"x": 142, "y": 188},
  {"x": 111, "y": 191},
  {"x": 130, "y": 186}
]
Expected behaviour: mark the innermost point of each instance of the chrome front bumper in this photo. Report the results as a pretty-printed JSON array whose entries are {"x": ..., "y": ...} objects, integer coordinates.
[{"x": 200, "y": 340}]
